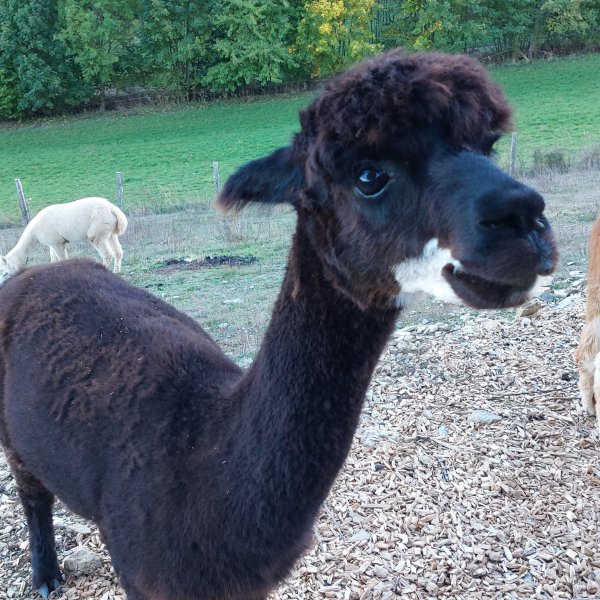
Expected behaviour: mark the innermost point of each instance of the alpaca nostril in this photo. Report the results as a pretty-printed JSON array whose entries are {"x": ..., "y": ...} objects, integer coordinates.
[
  {"x": 512, "y": 222},
  {"x": 515, "y": 209}
]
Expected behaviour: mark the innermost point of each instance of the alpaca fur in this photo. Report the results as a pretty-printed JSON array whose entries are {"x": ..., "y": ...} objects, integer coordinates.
[
  {"x": 94, "y": 219},
  {"x": 204, "y": 480},
  {"x": 587, "y": 355}
]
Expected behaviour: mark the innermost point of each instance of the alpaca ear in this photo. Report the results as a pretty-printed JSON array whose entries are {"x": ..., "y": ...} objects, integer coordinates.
[{"x": 276, "y": 178}]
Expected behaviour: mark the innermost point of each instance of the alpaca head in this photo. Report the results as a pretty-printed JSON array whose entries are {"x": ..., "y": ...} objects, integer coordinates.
[
  {"x": 6, "y": 271},
  {"x": 394, "y": 187}
]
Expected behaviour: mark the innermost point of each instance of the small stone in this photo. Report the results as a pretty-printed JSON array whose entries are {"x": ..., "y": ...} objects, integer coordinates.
[
  {"x": 529, "y": 308},
  {"x": 380, "y": 572},
  {"x": 361, "y": 536},
  {"x": 488, "y": 324},
  {"x": 373, "y": 437},
  {"x": 443, "y": 431},
  {"x": 568, "y": 301},
  {"x": 483, "y": 417},
  {"x": 82, "y": 562},
  {"x": 79, "y": 528},
  {"x": 428, "y": 414}
]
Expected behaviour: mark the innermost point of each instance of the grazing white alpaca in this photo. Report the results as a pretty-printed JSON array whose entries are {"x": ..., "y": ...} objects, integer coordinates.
[
  {"x": 95, "y": 219},
  {"x": 587, "y": 355}
]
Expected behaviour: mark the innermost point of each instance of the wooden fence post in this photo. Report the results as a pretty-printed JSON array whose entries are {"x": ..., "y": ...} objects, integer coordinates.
[
  {"x": 119, "y": 189},
  {"x": 225, "y": 226},
  {"x": 22, "y": 202},
  {"x": 513, "y": 155},
  {"x": 216, "y": 177}
]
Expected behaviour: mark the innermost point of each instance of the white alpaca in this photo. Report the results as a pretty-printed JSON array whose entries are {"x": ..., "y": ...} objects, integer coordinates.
[{"x": 95, "y": 219}]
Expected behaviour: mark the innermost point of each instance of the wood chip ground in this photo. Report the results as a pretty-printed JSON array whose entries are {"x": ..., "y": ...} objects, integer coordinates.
[{"x": 428, "y": 504}]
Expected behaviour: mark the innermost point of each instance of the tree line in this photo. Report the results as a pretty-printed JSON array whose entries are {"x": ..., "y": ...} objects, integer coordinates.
[{"x": 60, "y": 55}]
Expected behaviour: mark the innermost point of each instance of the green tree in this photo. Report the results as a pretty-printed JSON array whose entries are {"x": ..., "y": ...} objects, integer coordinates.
[
  {"x": 335, "y": 33},
  {"x": 252, "y": 43},
  {"x": 573, "y": 20},
  {"x": 175, "y": 38},
  {"x": 35, "y": 76},
  {"x": 99, "y": 35}
]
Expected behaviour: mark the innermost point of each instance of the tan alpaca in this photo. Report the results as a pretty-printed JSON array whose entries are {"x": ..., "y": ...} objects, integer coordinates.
[
  {"x": 587, "y": 355},
  {"x": 94, "y": 219}
]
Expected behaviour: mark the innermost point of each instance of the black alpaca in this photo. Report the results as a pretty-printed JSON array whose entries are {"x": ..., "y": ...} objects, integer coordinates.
[{"x": 205, "y": 481}]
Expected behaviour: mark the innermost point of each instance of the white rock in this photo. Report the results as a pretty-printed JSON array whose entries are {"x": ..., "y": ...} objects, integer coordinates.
[
  {"x": 568, "y": 301},
  {"x": 483, "y": 417},
  {"x": 372, "y": 437},
  {"x": 82, "y": 562},
  {"x": 443, "y": 431},
  {"x": 78, "y": 528},
  {"x": 360, "y": 536}
]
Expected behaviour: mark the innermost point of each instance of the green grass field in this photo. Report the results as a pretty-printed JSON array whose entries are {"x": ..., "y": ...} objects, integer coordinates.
[
  {"x": 166, "y": 156},
  {"x": 557, "y": 106}
]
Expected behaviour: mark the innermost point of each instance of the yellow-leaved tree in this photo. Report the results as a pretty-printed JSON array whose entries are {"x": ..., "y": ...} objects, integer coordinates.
[{"x": 335, "y": 33}]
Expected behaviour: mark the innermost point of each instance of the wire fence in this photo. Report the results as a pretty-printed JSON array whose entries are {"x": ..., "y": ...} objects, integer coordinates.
[{"x": 156, "y": 194}]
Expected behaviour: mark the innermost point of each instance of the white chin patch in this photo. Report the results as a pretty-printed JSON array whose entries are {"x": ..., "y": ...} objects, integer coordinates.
[{"x": 423, "y": 275}]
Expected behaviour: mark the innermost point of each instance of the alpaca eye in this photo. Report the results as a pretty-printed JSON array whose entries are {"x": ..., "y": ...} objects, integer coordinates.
[{"x": 370, "y": 181}]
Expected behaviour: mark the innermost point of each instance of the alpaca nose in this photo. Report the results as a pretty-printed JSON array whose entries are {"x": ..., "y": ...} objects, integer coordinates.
[{"x": 517, "y": 210}]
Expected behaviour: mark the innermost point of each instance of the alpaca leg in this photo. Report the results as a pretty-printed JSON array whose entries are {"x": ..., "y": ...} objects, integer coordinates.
[
  {"x": 104, "y": 249},
  {"x": 37, "y": 503},
  {"x": 596, "y": 389},
  {"x": 54, "y": 256},
  {"x": 117, "y": 252},
  {"x": 58, "y": 253},
  {"x": 108, "y": 252},
  {"x": 586, "y": 389}
]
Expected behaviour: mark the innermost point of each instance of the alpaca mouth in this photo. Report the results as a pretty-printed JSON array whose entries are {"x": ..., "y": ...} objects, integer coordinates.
[{"x": 484, "y": 293}]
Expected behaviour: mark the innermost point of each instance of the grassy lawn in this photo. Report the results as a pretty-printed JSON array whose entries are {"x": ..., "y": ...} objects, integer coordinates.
[
  {"x": 557, "y": 106},
  {"x": 166, "y": 155}
]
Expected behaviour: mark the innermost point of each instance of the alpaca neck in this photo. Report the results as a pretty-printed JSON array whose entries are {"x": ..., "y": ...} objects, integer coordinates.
[
  {"x": 16, "y": 257},
  {"x": 303, "y": 395}
]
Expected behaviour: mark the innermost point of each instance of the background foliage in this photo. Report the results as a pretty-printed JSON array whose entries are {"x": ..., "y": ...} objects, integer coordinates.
[{"x": 58, "y": 55}]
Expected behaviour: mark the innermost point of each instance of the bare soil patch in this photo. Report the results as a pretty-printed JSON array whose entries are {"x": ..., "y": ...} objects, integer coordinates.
[{"x": 193, "y": 264}]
